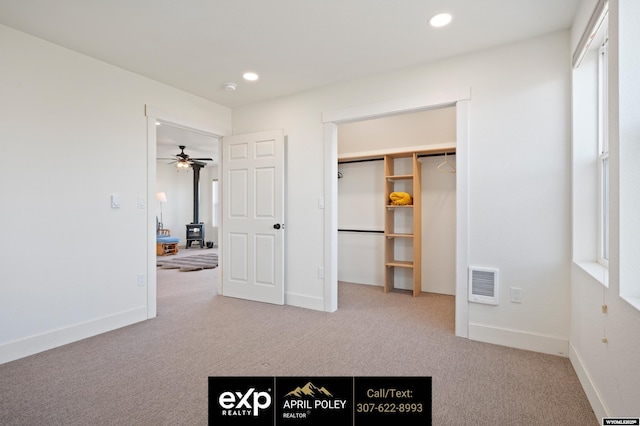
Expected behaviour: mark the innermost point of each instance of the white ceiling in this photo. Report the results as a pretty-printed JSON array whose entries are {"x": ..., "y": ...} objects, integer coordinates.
[{"x": 295, "y": 45}]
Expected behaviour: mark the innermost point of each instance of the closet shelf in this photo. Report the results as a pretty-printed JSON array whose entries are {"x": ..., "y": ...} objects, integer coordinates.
[
  {"x": 400, "y": 263},
  {"x": 392, "y": 206},
  {"x": 399, "y": 177},
  {"x": 398, "y": 235}
]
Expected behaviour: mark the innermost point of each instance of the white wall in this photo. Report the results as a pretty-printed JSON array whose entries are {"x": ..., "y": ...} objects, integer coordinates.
[
  {"x": 518, "y": 178},
  {"x": 438, "y": 227},
  {"x": 360, "y": 207},
  {"x": 609, "y": 372},
  {"x": 77, "y": 130},
  {"x": 431, "y": 127}
]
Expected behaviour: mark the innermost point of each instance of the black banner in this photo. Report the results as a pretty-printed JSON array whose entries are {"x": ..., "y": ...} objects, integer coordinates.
[{"x": 313, "y": 401}]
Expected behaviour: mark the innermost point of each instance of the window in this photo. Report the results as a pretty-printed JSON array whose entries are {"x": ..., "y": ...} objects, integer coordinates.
[
  {"x": 590, "y": 148},
  {"x": 215, "y": 204},
  {"x": 603, "y": 149}
]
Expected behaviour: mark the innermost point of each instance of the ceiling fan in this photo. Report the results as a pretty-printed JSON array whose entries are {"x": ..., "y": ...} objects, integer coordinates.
[{"x": 183, "y": 160}]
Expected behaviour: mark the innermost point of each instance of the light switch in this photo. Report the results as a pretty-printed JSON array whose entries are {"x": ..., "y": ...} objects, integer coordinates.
[{"x": 115, "y": 201}]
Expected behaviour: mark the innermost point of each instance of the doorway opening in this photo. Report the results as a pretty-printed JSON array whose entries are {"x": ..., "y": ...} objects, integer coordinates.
[
  {"x": 176, "y": 214},
  {"x": 460, "y": 99},
  {"x": 188, "y": 205},
  {"x": 363, "y": 245}
]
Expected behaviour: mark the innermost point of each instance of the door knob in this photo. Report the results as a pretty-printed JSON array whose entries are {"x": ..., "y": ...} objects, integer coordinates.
[{"x": 276, "y": 226}]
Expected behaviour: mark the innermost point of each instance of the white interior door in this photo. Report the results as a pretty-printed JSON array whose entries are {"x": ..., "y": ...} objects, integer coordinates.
[{"x": 252, "y": 250}]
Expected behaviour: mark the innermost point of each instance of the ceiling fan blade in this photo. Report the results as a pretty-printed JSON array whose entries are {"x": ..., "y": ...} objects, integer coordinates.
[{"x": 202, "y": 159}]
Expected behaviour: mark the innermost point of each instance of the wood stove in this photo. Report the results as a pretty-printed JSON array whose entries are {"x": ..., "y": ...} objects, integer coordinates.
[{"x": 195, "y": 233}]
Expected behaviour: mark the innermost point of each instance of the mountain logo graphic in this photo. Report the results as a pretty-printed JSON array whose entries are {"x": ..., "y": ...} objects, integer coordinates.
[{"x": 310, "y": 390}]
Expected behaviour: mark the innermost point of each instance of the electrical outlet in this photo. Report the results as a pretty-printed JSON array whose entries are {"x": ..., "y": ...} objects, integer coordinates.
[
  {"x": 320, "y": 272},
  {"x": 515, "y": 295},
  {"x": 141, "y": 280}
]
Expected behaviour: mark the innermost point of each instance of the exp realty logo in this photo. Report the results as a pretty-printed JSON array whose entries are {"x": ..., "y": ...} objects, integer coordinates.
[
  {"x": 314, "y": 401},
  {"x": 241, "y": 401}
]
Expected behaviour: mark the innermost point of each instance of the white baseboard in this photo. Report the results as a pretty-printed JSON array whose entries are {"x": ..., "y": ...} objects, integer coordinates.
[
  {"x": 31, "y": 345},
  {"x": 598, "y": 406},
  {"x": 517, "y": 339},
  {"x": 302, "y": 301}
]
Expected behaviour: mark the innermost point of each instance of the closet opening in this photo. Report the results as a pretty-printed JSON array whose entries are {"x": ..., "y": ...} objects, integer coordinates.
[
  {"x": 406, "y": 245},
  {"x": 460, "y": 98}
]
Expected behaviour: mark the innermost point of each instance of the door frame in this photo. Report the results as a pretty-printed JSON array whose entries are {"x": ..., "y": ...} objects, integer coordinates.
[
  {"x": 155, "y": 114},
  {"x": 458, "y": 97}
]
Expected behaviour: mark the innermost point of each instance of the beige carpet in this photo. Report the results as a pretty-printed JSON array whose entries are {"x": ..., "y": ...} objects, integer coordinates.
[{"x": 155, "y": 372}]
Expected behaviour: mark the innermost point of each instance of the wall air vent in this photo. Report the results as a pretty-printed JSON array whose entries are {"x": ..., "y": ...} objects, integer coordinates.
[{"x": 483, "y": 285}]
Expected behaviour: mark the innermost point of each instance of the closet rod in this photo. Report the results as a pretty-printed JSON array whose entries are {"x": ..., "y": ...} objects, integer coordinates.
[
  {"x": 361, "y": 230},
  {"x": 360, "y": 161},
  {"x": 382, "y": 158},
  {"x": 436, "y": 155}
]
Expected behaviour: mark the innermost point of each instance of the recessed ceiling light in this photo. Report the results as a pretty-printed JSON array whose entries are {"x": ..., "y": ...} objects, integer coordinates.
[
  {"x": 440, "y": 20},
  {"x": 250, "y": 76}
]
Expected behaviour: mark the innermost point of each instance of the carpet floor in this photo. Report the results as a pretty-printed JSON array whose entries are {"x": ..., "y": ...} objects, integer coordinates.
[{"x": 156, "y": 372}]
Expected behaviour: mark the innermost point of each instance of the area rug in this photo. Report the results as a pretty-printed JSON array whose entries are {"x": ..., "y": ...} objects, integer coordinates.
[{"x": 196, "y": 262}]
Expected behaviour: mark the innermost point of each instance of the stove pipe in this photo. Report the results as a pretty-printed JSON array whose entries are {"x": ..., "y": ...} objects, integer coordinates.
[{"x": 196, "y": 191}]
